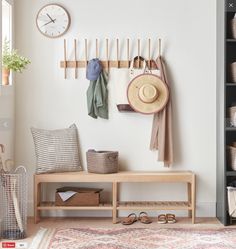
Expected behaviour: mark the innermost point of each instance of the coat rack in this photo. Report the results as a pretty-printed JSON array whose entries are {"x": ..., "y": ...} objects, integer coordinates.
[{"x": 75, "y": 64}]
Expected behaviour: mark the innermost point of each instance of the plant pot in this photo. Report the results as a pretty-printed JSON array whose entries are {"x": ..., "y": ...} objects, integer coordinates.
[{"x": 5, "y": 76}]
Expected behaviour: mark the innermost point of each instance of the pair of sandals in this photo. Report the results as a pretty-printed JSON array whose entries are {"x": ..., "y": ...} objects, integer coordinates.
[
  {"x": 166, "y": 218},
  {"x": 143, "y": 218}
]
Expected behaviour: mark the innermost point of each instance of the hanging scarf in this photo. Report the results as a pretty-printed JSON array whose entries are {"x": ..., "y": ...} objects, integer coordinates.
[{"x": 161, "y": 138}]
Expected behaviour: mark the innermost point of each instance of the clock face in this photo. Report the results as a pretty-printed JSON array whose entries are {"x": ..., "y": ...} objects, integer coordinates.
[{"x": 53, "y": 20}]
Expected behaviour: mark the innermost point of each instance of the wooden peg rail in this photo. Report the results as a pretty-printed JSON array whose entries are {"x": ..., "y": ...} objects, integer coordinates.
[{"x": 107, "y": 63}]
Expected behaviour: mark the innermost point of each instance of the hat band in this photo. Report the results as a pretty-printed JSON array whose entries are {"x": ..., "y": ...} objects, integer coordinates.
[{"x": 148, "y": 93}]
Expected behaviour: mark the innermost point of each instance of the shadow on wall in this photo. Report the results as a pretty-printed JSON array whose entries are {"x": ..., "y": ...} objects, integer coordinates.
[{"x": 123, "y": 165}]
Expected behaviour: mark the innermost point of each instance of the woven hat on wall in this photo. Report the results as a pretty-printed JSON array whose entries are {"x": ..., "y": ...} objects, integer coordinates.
[{"x": 147, "y": 94}]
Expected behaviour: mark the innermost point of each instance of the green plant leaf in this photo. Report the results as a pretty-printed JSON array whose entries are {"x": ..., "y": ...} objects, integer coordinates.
[{"x": 12, "y": 60}]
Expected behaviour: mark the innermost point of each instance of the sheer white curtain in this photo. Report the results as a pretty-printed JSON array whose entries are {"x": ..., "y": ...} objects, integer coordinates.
[
  {"x": 6, "y": 23},
  {"x": 7, "y": 93}
]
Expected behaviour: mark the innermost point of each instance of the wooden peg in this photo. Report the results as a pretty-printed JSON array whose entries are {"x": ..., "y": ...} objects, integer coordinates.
[
  {"x": 65, "y": 63},
  {"x": 97, "y": 53},
  {"x": 159, "y": 47},
  {"x": 138, "y": 53},
  {"x": 75, "y": 51},
  {"x": 117, "y": 52},
  {"x": 107, "y": 54},
  {"x": 149, "y": 53},
  {"x": 128, "y": 52},
  {"x": 86, "y": 52}
]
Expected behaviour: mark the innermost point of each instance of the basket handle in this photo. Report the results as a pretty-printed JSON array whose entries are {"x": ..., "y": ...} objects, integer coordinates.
[
  {"x": 112, "y": 158},
  {"x": 20, "y": 167}
]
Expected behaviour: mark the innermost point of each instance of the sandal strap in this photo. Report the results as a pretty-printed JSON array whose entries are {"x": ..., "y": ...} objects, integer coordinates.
[
  {"x": 132, "y": 214},
  {"x": 130, "y": 219},
  {"x": 144, "y": 218},
  {"x": 170, "y": 218},
  {"x": 143, "y": 214},
  {"x": 161, "y": 218},
  {"x": 170, "y": 215}
]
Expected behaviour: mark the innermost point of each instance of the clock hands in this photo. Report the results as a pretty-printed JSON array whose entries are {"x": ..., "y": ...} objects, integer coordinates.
[{"x": 51, "y": 18}]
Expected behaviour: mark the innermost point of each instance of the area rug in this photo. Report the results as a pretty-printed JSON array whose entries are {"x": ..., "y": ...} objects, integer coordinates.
[{"x": 135, "y": 238}]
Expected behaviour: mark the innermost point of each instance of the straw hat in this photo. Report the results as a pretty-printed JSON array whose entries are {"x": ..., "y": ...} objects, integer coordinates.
[{"x": 147, "y": 94}]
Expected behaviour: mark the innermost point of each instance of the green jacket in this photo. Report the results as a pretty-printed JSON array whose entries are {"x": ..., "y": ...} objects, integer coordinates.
[{"x": 97, "y": 97}]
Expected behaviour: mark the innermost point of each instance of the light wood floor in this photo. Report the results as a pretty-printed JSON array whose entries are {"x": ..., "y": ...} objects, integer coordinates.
[
  {"x": 107, "y": 223},
  {"x": 201, "y": 223}
]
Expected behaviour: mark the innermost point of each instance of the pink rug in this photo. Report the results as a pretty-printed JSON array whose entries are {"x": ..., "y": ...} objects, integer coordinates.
[{"x": 140, "y": 238}]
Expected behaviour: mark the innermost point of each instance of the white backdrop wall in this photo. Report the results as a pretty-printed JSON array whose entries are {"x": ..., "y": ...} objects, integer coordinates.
[{"x": 45, "y": 100}]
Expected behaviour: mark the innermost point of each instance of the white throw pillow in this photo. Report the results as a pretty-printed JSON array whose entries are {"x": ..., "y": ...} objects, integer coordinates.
[{"x": 57, "y": 150}]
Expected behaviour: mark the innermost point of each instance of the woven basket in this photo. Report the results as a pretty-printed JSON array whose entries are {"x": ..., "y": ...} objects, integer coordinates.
[
  {"x": 231, "y": 155},
  {"x": 102, "y": 162},
  {"x": 232, "y": 115},
  {"x": 233, "y": 28},
  {"x": 232, "y": 201},
  {"x": 233, "y": 72}
]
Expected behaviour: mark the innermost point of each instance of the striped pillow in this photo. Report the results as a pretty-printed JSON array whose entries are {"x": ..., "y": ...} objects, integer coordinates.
[{"x": 56, "y": 150}]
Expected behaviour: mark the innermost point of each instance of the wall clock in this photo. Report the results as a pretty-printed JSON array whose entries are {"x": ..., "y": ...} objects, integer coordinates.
[{"x": 53, "y": 20}]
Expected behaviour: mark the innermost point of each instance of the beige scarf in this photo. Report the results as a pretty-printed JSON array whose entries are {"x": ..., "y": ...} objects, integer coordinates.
[{"x": 161, "y": 138}]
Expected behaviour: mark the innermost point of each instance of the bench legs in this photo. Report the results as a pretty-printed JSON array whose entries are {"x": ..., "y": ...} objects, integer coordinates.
[
  {"x": 114, "y": 202},
  {"x": 37, "y": 198},
  {"x": 193, "y": 194},
  {"x": 189, "y": 198},
  {"x": 191, "y": 187}
]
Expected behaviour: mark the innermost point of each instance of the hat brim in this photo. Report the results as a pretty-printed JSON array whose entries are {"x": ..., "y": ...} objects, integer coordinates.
[{"x": 133, "y": 94}]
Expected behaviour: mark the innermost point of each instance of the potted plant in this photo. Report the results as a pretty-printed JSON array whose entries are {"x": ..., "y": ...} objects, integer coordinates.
[{"x": 11, "y": 60}]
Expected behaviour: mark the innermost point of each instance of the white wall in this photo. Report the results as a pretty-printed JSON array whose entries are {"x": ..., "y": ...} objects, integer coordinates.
[{"x": 44, "y": 99}]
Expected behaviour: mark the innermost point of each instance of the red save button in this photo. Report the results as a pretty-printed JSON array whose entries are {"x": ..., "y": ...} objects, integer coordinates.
[{"x": 8, "y": 245}]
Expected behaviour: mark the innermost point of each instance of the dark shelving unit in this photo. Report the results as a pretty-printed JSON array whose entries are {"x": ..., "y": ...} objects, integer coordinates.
[
  {"x": 226, "y": 97},
  {"x": 230, "y": 173},
  {"x": 230, "y": 128},
  {"x": 231, "y": 84}
]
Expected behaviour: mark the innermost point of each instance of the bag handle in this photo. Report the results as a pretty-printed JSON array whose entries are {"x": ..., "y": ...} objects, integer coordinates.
[
  {"x": 132, "y": 63},
  {"x": 148, "y": 69},
  {"x": 112, "y": 158}
]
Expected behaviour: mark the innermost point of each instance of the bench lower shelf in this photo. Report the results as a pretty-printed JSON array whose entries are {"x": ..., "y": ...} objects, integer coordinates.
[
  {"x": 129, "y": 205},
  {"x": 51, "y": 206},
  {"x": 154, "y": 205}
]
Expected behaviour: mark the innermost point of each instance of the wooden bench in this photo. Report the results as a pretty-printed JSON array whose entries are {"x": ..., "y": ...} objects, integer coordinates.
[{"x": 187, "y": 177}]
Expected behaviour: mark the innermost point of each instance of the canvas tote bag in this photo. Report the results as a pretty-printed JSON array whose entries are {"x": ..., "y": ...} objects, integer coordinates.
[{"x": 123, "y": 77}]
